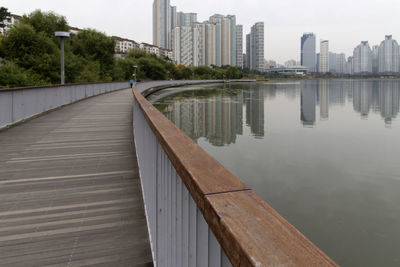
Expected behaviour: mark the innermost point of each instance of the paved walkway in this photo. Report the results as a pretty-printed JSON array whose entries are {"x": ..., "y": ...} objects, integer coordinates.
[{"x": 70, "y": 193}]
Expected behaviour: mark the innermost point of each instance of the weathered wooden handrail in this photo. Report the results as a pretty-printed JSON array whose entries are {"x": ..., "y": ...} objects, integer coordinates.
[{"x": 250, "y": 232}]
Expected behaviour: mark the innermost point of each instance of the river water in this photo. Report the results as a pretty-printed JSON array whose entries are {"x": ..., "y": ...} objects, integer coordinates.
[{"x": 323, "y": 153}]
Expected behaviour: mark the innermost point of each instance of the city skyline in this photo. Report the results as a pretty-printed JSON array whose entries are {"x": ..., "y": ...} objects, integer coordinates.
[{"x": 282, "y": 29}]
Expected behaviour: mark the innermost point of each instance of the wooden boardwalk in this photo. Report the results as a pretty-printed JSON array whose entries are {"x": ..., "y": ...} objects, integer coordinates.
[{"x": 70, "y": 193}]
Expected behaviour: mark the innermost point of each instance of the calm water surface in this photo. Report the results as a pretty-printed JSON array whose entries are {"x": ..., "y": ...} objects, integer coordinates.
[{"x": 324, "y": 154}]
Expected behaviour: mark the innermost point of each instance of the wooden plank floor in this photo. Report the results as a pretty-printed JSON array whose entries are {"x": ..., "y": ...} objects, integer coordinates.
[{"x": 70, "y": 193}]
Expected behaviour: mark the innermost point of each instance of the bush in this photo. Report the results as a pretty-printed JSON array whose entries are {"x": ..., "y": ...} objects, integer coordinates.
[{"x": 11, "y": 75}]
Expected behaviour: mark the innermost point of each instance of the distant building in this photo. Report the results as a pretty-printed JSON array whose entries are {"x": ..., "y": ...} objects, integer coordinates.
[
  {"x": 340, "y": 63},
  {"x": 9, "y": 22},
  {"x": 248, "y": 48},
  {"x": 185, "y": 19},
  {"x": 74, "y": 30},
  {"x": 308, "y": 51},
  {"x": 210, "y": 38},
  {"x": 349, "y": 66},
  {"x": 122, "y": 45},
  {"x": 362, "y": 59},
  {"x": 324, "y": 57},
  {"x": 269, "y": 64},
  {"x": 239, "y": 46},
  {"x": 293, "y": 70},
  {"x": 255, "y": 47},
  {"x": 389, "y": 57},
  {"x": 245, "y": 61},
  {"x": 226, "y": 39},
  {"x": 185, "y": 45},
  {"x": 375, "y": 59},
  {"x": 162, "y": 23},
  {"x": 151, "y": 49}
]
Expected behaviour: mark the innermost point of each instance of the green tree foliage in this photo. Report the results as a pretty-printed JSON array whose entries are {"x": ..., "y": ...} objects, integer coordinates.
[
  {"x": 32, "y": 51},
  {"x": 11, "y": 75},
  {"x": 97, "y": 47},
  {"x": 46, "y": 22}
]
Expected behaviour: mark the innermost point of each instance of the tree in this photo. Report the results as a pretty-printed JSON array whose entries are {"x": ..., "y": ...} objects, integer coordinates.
[
  {"x": 46, "y": 22},
  {"x": 11, "y": 75},
  {"x": 32, "y": 51},
  {"x": 95, "y": 46},
  {"x": 4, "y": 14},
  {"x": 233, "y": 73},
  {"x": 153, "y": 69}
]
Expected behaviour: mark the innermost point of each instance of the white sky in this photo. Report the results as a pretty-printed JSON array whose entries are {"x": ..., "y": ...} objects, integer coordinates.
[{"x": 343, "y": 22}]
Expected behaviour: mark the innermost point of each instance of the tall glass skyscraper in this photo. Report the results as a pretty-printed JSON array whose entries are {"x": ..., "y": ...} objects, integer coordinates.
[{"x": 308, "y": 51}]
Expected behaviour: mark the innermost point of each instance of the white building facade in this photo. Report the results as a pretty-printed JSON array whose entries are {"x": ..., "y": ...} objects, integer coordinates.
[
  {"x": 389, "y": 57},
  {"x": 362, "y": 59},
  {"x": 324, "y": 56}
]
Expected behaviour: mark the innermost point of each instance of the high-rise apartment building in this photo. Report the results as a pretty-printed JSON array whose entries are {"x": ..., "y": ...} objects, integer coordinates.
[
  {"x": 255, "y": 47},
  {"x": 226, "y": 39},
  {"x": 185, "y": 41},
  {"x": 389, "y": 56},
  {"x": 349, "y": 66},
  {"x": 162, "y": 23},
  {"x": 232, "y": 18},
  {"x": 239, "y": 46},
  {"x": 185, "y": 19},
  {"x": 324, "y": 57},
  {"x": 375, "y": 59},
  {"x": 248, "y": 48},
  {"x": 341, "y": 63},
  {"x": 308, "y": 51},
  {"x": 218, "y": 41},
  {"x": 362, "y": 59}
]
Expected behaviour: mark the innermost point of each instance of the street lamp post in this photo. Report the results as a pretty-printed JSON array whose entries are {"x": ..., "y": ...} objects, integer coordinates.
[
  {"x": 62, "y": 35},
  {"x": 134, "y": 75}
]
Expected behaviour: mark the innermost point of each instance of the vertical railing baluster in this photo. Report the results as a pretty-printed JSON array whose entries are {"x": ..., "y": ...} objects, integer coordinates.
[
  {"x": 192, "y": 232},
  {"x": 173, "y": 216},
  {"x": 214, "y": 250},
  {"x": 202, "y": 241},
  {"x": 185, "y": 226},
  {"x": 179, "y": 205},
  {"x": 169, "y": 168}
]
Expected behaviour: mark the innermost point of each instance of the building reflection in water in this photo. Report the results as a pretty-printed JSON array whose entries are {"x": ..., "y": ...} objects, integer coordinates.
[
  {"x": 218, "y": 118},
  {"x": 254, "y": 100},
  {"x": 368, "y": 96},
  {"x": 217, "y": 114},
  {"x": 324, "y": 99},
  {"x": 378, "y": 96},
  {"x": 308, "y": 101}
]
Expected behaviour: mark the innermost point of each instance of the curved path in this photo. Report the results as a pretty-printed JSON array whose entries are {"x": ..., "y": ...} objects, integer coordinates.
[{"x": 70, "y": 192}]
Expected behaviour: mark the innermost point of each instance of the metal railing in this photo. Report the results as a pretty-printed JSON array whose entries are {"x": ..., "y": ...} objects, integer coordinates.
[
  {"x": 18, "y": 104},
  {"x": 200, "y": 214}
]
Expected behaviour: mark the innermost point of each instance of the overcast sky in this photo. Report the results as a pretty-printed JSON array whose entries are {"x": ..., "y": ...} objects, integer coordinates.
[{"x": 345, "y": 23}]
